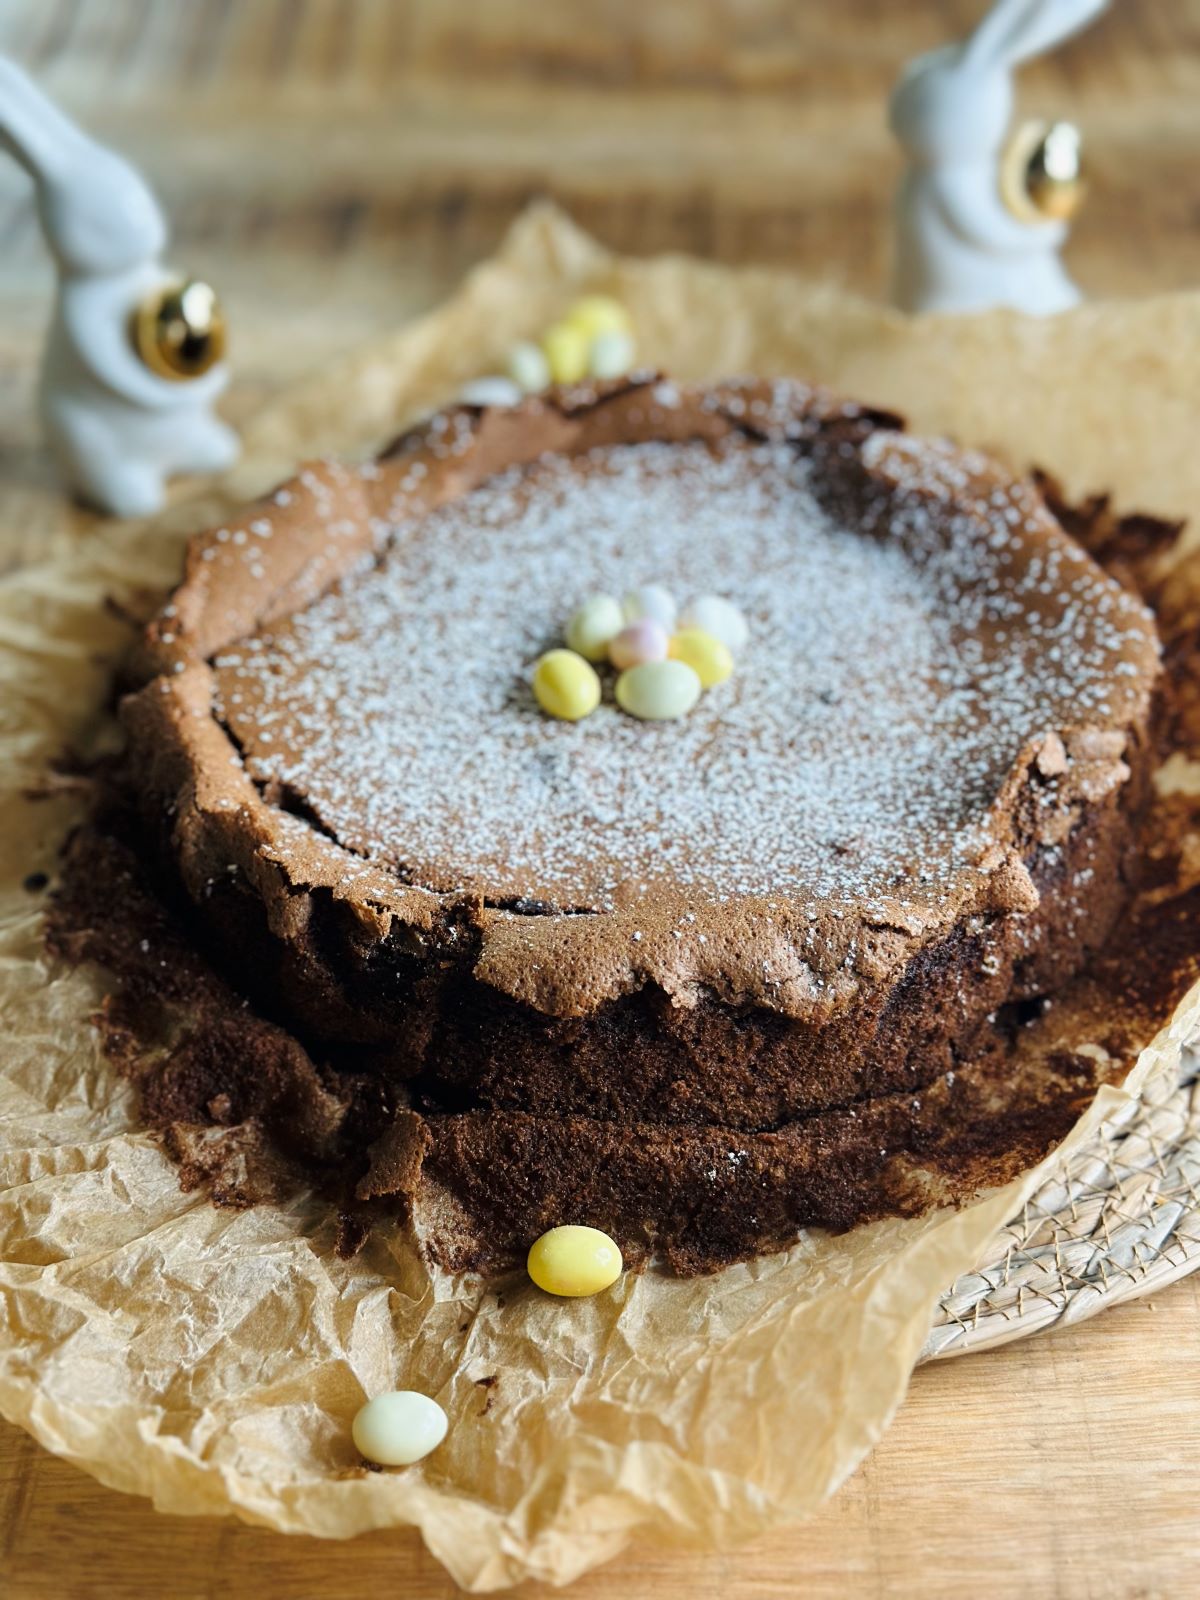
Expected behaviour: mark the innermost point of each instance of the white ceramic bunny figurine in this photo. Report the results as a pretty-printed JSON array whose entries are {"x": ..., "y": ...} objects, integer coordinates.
[
  {"x": 117, "y": 428},
  {"x": 959, "y": 246}
]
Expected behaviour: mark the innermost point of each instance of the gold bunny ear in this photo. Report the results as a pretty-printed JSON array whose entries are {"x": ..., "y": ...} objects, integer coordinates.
[
  {"x": 1041, "y": 172},
  {"x": 179, "y": 330}
]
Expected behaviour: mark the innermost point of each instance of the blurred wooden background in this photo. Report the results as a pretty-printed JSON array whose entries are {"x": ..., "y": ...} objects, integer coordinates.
[{"x": 334, "y": 166}]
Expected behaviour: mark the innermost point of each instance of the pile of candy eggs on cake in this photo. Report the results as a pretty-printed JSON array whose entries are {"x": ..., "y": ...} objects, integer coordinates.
[
  {"x": 592, "y": 339},
  {"x": 664, "y": 659}
]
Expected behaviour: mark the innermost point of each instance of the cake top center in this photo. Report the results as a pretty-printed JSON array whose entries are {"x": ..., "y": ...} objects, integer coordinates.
[{"x": 891, "y": 678}]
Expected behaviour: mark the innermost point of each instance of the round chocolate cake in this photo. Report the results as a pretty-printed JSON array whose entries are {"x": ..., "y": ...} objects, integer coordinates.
[{"x": 695, "y": 982}]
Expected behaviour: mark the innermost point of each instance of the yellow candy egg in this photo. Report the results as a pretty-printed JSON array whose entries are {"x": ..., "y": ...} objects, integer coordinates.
[
  {"x": 574, "y": 1261},
  {"x": 709, "y": 658},
  {"x": 565, "y": 685},
  {"x": 594, "y": 314},
  {"x": 566, "y": 349}
]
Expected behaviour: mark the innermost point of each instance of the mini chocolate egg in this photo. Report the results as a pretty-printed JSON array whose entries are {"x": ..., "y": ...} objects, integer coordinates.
[
  {"x": 611, "y": 354},
  {"x": 566, "y": 350},
  {"x": 650, "y": 600},
  {"x": 527, "y": 367},
  {"x": 574, "y": 1261},
  {"x": 593, "y": 627},
  {"x": 566, "y": 686},
  {"x": 643, "y": 640},
  {"x": 658, "y": 691},
  {"x": 711, "y": 613},
  {"x": 398, "y": 1428},
  {"x": 709, "y": 657},
  {"x": 594, "y": 314}
]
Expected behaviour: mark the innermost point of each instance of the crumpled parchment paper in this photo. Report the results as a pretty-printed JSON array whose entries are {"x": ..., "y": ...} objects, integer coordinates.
[{"x": 213, "y": 1359}]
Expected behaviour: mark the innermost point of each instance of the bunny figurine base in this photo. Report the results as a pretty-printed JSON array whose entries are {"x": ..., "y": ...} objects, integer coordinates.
[
  {"x": 959, "y": 245},
  {"x": 118, "y": 429}
]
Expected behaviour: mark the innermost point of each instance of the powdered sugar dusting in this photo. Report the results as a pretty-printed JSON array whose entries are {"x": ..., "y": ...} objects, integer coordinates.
[{"x": 889, "y": 682}]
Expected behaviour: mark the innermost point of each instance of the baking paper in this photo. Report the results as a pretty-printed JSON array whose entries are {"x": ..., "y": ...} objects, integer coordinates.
[{"x": 213, "y": 1360}]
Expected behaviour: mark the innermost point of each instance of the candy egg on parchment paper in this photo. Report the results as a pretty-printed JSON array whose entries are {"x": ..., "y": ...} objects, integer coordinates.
[
  {"x": 574, "y": 1261},
  {"x": 398, "y": 1428}
]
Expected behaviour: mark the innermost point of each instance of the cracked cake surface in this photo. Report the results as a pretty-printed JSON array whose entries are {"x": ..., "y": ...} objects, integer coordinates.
[{"x": 908, "y": 809}]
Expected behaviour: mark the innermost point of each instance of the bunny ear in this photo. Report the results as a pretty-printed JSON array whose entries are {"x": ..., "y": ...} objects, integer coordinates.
[
  {"x": 986, "y": 46},
  {"x": 32, "y": 127},
  {"x": 1015, "y": 30}
]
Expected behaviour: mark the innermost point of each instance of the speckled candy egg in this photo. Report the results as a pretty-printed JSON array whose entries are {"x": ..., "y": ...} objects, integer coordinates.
[
  {"x": 644, "y": 640},
  {"x": 711, "y": 613},
  {"x": 396, "y": 1429},
  {"x": 658, "y": 691}
]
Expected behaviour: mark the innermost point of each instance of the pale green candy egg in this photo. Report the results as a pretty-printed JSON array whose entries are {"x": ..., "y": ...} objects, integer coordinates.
[
  {"x": 396, "y": 1429},
  {"x": 611, "y": 354},
  {"x": 658, "y": 691},
  {"x": 527, "y": 367},
  {"x": 594, "y": 626}
]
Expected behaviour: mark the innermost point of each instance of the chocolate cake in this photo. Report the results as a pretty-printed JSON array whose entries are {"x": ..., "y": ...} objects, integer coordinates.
[{"x": 694, "y": 982}]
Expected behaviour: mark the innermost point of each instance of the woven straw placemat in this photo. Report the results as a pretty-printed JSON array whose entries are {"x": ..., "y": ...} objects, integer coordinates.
[{"x": 1118, "y": 1219}]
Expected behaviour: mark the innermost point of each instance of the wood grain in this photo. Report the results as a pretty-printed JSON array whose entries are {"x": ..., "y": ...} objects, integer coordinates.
[{"x": 335, "y": 165}]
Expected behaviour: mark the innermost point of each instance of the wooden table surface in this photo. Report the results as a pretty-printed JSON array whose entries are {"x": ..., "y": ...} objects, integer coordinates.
[{"x": 335, "y": 165}]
